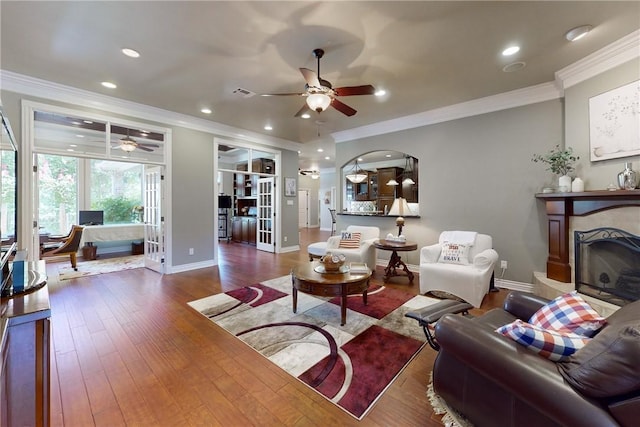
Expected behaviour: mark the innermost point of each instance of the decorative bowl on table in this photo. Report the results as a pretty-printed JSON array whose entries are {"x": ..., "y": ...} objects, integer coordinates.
[{"x": 332, "y": 263}]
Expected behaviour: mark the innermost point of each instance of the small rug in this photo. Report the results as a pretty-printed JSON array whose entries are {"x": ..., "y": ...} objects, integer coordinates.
[
  {"x": 91, "y": 268},
  {"x": 450, "y": 417},
  {"x": 350, "y": 365}
]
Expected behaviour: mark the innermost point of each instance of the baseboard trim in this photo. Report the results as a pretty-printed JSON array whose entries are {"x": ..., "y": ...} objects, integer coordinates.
[
  {"x": 514, "y": 286},
  {"x": 286, "y": 249},
  {"x": 188, "y": 267}
]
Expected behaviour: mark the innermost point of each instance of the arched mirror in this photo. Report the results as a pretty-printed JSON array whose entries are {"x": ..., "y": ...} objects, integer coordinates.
[{"x": 374, "y": 180}]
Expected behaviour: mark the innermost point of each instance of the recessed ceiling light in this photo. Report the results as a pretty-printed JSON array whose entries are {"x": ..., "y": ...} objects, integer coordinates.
[
  {"x": 88, "y": 122},
  {"x": 327, "y": 158},
  {"x": 320, "y": 150},
  {"x": 306, "y": 115},
  {"x": 380, "y": 92},
  {"x": 73, "y": 145},
  {"x": 131, "y": 53},
  {"x": 387, "y": 155},
  {"x": 514, "y": 66},
  {"x": 206, "y": 110},
  {"x": 109, "y": 85},
  {"x": 512, "y": 50},
  {"x": 578, "y": 32},
  {"x": 268, "y": 127},
  {"x": 79, "y": 136},
  {"x": 360, "y": 159}
]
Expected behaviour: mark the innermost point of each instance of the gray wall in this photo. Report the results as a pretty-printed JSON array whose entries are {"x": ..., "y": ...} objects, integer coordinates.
[
  {"x": 476, "y": 174},
  {"x": 597, "y": 175},
  {"x": 192, "y": 191},
  {"x": 289, "y": 213}
]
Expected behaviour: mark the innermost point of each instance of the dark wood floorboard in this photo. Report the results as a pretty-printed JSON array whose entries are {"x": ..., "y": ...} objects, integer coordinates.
[{"x": 129, "y": 351}]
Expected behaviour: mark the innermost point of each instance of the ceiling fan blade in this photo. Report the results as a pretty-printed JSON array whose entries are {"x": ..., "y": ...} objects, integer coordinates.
[
  {"x": 145, "y": 144},
  {"x": 310, "y": 77},
  {"x": 283, "y": 94},
  {"x": 342, "y": 107},
  {"x": 355, "y": 90},
  {"x": 143, "y": 148},
  {"x": 305, "y": 109}
]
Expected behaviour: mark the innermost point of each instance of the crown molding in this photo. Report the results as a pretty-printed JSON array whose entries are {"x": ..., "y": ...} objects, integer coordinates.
[
  {"x": 530, "y": 95},
  {"x": 611, "y": 56},
  {"x": 26, "y": 85}
]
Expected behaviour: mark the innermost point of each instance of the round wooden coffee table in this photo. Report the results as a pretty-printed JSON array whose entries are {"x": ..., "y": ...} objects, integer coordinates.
[
  {"x": 305, "y": 278},
  {"x": 395, "y": 261}
]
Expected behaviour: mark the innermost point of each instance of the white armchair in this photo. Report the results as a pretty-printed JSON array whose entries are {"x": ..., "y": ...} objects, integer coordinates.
[
  {"x": 366, "y": 253},
  {"x": 467, "y": 277}
]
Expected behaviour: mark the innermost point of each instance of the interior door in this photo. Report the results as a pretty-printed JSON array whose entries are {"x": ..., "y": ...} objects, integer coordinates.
[
  {"x": 265, "y": 240},
  {"x": 153, "y": 219},
  {"x": 303, "y": 208}
]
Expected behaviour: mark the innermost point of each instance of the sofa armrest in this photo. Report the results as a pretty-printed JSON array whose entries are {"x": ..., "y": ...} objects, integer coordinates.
[
  {"x": 521, "y": 372},
  {"x": 485, "y": 259},
  {"x": 430, "y": 254},
  {"x": 523, "y": 305},
  {"x": 333, "y": 242}
]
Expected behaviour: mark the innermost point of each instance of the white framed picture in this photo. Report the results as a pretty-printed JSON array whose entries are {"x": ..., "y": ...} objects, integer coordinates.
[
  {"x": 290, "y": 187},
  {"x": 614, "y": 123}
]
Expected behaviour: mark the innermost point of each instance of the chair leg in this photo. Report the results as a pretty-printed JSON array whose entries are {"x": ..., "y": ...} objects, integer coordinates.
[{"x": 72, "y": 255}]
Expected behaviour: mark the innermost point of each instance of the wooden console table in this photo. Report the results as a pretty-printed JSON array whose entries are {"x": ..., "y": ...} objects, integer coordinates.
[
  {"x": 26, "y": 356},
  {"x": 561, "y": 206}
]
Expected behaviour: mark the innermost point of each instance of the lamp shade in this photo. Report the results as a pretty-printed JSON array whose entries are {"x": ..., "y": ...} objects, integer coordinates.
[
  {"x": 400, "y": 207},
  {"x": 318, "y": 101}
]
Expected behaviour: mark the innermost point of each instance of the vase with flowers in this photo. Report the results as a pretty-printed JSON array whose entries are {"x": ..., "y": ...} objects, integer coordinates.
[{"x": 561, "y": 162}]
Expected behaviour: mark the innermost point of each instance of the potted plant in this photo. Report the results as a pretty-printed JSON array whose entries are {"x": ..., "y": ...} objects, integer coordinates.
[{"x": 560, "y": 161}]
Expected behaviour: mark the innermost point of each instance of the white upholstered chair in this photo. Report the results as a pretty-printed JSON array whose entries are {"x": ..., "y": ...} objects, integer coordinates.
[
  {"x": 465, "y": 269},
  {"x": 366, "y": 252}
]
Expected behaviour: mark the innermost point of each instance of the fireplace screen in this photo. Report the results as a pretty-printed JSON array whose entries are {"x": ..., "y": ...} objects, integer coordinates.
[{"x": 607, "y": 264}]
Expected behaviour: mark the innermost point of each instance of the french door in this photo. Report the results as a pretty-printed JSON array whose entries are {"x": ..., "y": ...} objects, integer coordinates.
[
  {"x": 265, "y": 239},
  {"x": 154, "y": 250}
]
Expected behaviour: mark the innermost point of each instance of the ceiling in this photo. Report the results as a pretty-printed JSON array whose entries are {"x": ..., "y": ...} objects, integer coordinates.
[{"x": 424, "y": 54}]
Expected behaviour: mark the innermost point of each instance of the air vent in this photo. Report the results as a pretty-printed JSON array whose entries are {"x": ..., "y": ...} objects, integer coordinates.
[{"x": 244, "y": 93}]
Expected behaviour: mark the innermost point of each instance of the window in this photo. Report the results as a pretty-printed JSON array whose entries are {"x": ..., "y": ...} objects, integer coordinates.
[{"x": 113, "y": 187}]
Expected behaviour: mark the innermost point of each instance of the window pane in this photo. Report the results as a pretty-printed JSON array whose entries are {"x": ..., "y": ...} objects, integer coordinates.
[
  {"x": 58, "y": 190},
  {"x": 116, "y": 189}
]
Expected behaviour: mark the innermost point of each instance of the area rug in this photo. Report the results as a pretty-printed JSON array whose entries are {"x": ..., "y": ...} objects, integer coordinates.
[
  {"x": 450, "y": 417},
  {"x": 351, "y": 365},
  {"x": 100, "y": 266}
]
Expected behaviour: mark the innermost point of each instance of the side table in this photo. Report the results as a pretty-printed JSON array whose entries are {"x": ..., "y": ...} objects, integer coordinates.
[{"x": 395, "y": 261}]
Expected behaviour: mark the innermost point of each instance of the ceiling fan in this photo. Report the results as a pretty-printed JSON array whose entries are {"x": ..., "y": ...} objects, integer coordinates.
[
  {"x": 321, "y": 94},
  {"x": 129, "y": 144},
  {"x": 312, "y": 173}
]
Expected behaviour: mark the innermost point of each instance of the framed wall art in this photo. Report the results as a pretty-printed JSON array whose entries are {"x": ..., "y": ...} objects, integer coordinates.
[
  {"x": 290, "y": 187},
  {"x": 614, "y": 123}
]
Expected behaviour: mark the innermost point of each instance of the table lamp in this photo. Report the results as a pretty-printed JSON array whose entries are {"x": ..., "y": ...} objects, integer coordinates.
[{"x": 400, "y": 208}]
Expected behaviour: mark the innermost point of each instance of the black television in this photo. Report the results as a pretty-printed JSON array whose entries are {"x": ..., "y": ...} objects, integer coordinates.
[
  {"x": 224, "y": 202},
  {"x": 91, "y": 217}
]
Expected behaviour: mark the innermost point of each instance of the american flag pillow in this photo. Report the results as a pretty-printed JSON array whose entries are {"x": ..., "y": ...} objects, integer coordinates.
[
  {"x": 349, "y": 240},
  {"x": 554, "y": 345},
  {"x": 569, "y": 313}
]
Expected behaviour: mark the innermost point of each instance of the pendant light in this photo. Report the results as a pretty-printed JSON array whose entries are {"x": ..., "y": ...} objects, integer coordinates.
[
  {"x": 408, "y": 172},
  {"x": 357, "y": 175}
]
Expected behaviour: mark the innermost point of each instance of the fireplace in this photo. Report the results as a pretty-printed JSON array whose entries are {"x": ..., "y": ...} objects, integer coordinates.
[{"x": 607, "y": 264}]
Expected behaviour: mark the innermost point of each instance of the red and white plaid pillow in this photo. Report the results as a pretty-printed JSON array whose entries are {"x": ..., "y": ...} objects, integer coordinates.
[
  {"x": 349, "y": 240},
  {"x": 568, "y": 313},
  {"x": 554, "y": 345}
]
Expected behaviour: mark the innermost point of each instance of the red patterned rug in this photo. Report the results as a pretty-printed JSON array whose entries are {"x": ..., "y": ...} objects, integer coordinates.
[{"x": 351, "y": 365}]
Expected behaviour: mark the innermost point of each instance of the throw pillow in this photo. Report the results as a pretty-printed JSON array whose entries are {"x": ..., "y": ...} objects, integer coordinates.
[
  {"x": 454, "y": 253},
  {"x": 554, "y": 345},
  {"x": 569, "y": 312},
  {"x": 349, "y": 240}
]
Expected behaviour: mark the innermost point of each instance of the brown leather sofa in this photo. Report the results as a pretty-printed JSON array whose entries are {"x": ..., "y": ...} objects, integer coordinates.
[{"x": 493, "y": 381}]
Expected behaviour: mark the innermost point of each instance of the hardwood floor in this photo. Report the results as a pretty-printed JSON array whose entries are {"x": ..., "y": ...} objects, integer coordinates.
[{"x": 127, "y": 350}]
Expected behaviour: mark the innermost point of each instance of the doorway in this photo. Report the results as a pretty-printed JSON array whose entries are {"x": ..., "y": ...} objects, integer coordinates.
[{"x": 303, "y": 209}]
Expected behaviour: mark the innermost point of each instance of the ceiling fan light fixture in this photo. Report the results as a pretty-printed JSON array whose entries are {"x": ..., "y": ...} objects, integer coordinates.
[
  {"x": 128, "y": 147},
  {"x": 318, "y": 101}
]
